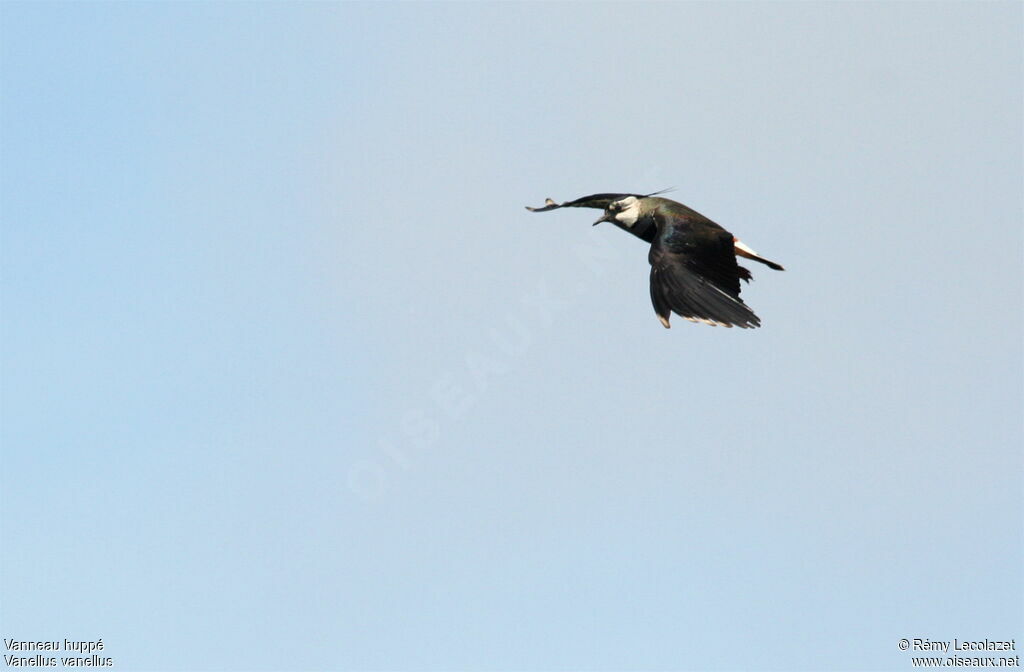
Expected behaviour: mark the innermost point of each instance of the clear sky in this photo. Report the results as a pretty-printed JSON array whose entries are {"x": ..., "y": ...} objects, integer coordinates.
[{"x": 292, "y": 381}]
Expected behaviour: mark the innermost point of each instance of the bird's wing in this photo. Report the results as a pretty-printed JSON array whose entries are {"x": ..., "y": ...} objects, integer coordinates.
[
  {"x": 694, "y": 273},
  {"x": 600, "y": 201}
]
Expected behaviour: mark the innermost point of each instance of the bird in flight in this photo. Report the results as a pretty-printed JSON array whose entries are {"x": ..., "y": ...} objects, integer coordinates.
[{"x": 693, "y": 260}]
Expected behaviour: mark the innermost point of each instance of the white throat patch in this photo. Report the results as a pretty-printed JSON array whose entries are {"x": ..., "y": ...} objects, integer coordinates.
[{"x": 630, "y": 212}]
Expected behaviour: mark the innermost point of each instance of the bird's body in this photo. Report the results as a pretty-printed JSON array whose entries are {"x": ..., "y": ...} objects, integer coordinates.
[{"x": 693, "y": 260}]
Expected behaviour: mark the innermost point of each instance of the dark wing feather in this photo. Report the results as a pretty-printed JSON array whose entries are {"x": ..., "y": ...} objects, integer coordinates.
[{"x": 694, "y": 273}]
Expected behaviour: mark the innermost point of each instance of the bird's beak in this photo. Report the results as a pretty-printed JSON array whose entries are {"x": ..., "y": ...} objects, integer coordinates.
[{"x": 606, "y": 217}]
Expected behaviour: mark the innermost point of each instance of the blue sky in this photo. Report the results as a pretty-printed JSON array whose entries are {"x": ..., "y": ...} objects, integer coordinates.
[{"x": 292, "y": 381}]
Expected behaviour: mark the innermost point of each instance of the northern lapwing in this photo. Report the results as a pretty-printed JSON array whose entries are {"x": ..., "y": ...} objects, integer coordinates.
[{"x": 693, "y": 260}]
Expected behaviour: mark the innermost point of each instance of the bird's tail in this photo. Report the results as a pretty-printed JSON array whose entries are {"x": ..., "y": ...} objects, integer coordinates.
[{"x": 744, "y": 251}]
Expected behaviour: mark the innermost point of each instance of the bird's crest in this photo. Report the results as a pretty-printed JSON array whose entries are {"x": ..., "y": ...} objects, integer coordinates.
[{"x": 600, "y": 201}]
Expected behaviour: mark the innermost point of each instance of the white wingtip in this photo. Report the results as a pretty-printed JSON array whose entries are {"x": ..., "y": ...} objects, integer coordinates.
[{"x": 709, "y": 322}]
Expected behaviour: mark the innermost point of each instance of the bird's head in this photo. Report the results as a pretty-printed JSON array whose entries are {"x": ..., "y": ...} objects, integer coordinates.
[{"x": 624, "y": 212}]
